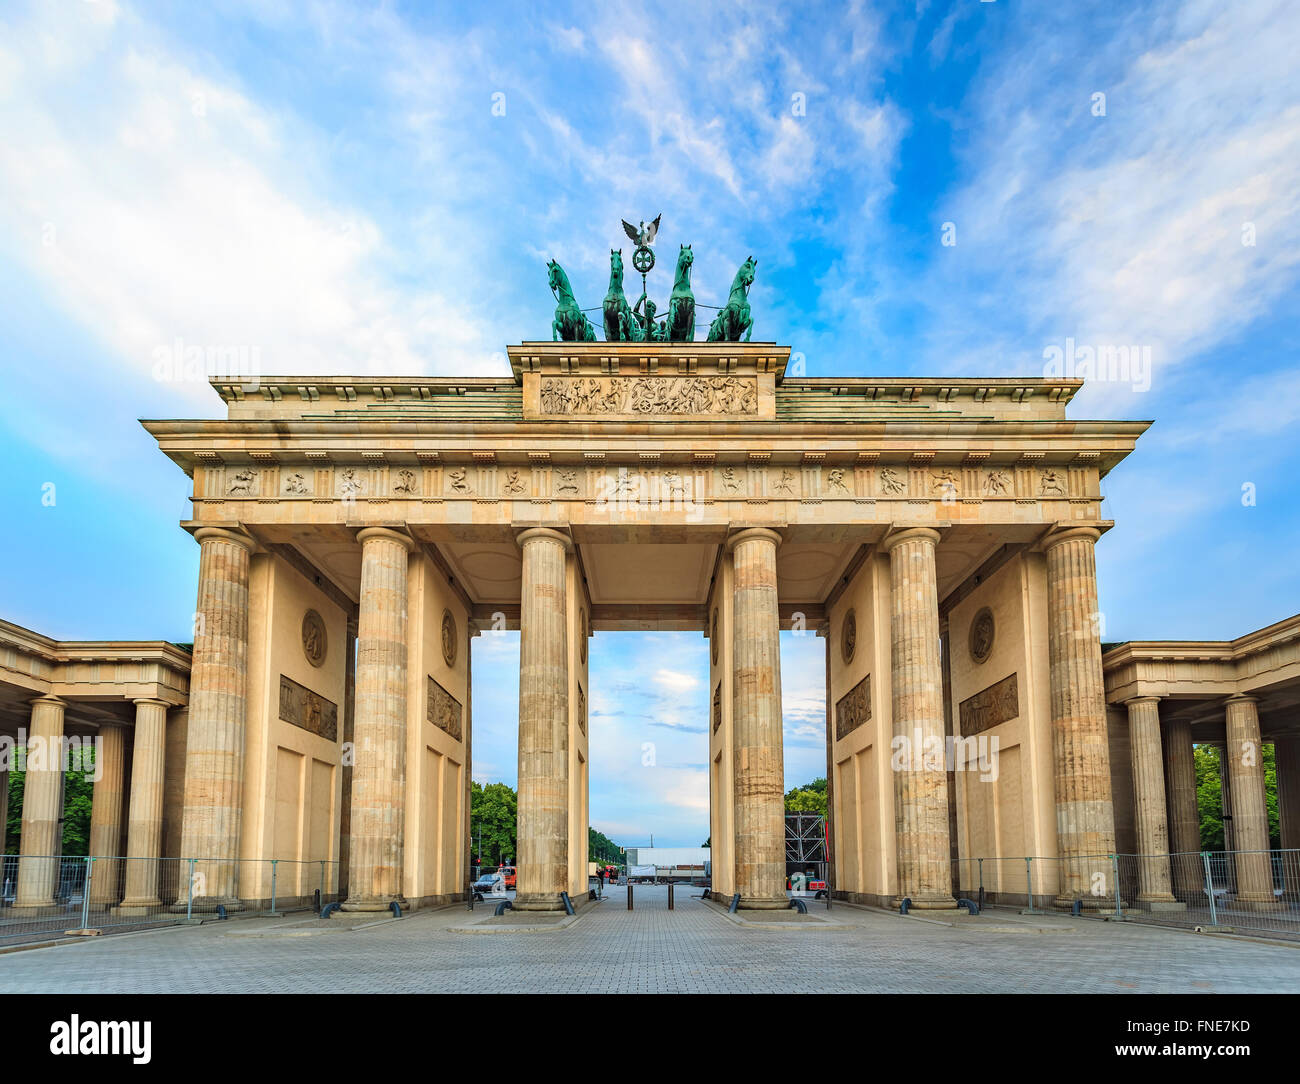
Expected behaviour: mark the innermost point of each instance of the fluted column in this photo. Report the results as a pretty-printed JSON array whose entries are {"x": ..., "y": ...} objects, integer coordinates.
[
  {"x": 379, "y": 772},
  {"x": 1245, "y": 766},
  {"x": 144, "y": 820},
  {"x": 349, "y": 739},
  {"x": 1149, "y": 803},
  {"x": 1085, "y": 814},
  {"x": 214, "y": 756},
  {"x": 1286, "y": 756},
  {"x": 4, "y": 811},
  {"x": 543, "y": 836},
  {"x": 759, "y": 786},
  {"x": 921, "y": 822},
  {"x": 106, "y": 816},
  {"x": 42, "y": 843},
  {"x": 1184, "y": 816}
]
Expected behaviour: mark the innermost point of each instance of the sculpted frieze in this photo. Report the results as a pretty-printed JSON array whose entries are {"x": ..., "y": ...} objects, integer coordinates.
[
  {"x": 998, "y": 703},
  {"x": 649, "y": 395},
  {"x": 443, "y": 710},
  {"x": 303, "y": 708},
  {"x": 853, "y": 709}
]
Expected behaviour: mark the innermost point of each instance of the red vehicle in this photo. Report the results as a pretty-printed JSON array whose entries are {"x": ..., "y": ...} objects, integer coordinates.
[{"x": 508, "y": 872}]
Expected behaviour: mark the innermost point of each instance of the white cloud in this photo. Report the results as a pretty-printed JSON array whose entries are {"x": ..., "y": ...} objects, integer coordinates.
[
  {"x": 156, "y": 201},
  {"x": 675, "y": 681},
  {"x": 1125, "y": 228}
]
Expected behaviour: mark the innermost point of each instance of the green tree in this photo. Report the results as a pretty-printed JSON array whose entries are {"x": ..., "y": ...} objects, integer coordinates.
[
  {"x": 810, "y": 798},
  {"x": 78, "y": 789},
  {"x": 600, "y": 848},
  {"x": 1209, "y": 795},
  {"x": 494, "y": 812}
]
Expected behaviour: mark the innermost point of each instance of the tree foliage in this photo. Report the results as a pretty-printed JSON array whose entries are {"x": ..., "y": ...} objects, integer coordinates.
[
  {"x": 809, "y": 798},
  {"x": 494, "y": 811},
  {"x": 77, "y": 794},
  {"x": 1209, "y": 795},
  {"x": 600, "y": 848}
]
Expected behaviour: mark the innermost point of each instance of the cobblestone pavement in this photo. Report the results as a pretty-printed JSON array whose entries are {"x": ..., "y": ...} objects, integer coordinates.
[{"x": 694, "y": 948}]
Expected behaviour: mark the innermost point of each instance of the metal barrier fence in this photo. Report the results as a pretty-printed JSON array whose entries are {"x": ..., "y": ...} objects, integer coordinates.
[
  {"x": 1253, "y": 891},
  {"x": 44, "y": 897}
]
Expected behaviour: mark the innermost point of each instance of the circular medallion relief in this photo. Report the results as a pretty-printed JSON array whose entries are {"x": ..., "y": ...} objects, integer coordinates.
[
  {"x": 313, "y": 638},
  {"x": 448, "y": 638},
  {"x": 713, "y": 636},
  {"x": 981, "y": 635},
  {"x": 849, "y": 636},
  {"x": 582, "y": 643}
]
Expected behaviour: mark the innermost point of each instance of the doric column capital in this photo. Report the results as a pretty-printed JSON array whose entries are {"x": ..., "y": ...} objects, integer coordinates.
[
  {"x": 1241, "y": 698},
  {"x": 1070, "y": 534},
  {"x": 221, "y": 534},
  {"x": 910, "y": 534},
  {"x": 540, "y": 534},
  {"x": 49, "y": 698},
  {"x": 388, "y": 535},
  {"x": 150, "y": 700},
  {"x": 748, "y": 534},
  {"x": 1144, "y": 699}
]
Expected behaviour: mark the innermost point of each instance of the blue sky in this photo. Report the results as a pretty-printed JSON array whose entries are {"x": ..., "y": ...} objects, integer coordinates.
[{"x": 330, "y": 186}]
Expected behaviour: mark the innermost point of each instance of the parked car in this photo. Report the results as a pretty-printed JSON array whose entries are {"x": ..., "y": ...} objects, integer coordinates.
[
  {"x": 486, "y": 883},
  {"x": 508, "y": 872}
]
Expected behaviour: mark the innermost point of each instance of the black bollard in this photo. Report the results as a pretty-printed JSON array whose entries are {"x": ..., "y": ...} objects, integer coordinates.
[
  {"x": 629, "y": 895},
  {"x": 670, "y": 895}
]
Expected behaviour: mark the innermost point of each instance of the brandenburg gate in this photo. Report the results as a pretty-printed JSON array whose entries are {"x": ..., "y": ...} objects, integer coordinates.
[{"x": 357, "y": 533}]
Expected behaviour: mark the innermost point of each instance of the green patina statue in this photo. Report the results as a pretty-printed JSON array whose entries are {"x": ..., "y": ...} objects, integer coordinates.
[
  {"x": 638, "y": 324},
  {"x": 569, "y": 325},
  {"x": 734, "y": 319},
  {"x": 679, "y": 326},
  {"x": 620, "y": 327},
  {"x": 644, "y": 328}
]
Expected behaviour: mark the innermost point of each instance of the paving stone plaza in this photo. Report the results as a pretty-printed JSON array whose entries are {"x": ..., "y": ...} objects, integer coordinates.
[{"x": 694, "y": 948}]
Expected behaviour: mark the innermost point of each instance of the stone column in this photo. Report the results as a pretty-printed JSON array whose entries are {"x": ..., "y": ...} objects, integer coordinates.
[
  {"x": 1085, "y": 815},
  {"x": 4, "y": 812},
  {"x": 379, "y": 773},
  {"x": 471, "y": 630},
  {"x": 1286, "y": 755},
  {"x": 1184, "y": 816},
  {"x": 349, "y": 736},
  {"x": 214, "y": 770},
  {"x": 1154, "y": 890},
  {"x": 543, "y": 858},
  {"x": 921, "y": 823},
  {"x": 1245, "y": 766},
  {"x": 106, "y": 817},
  {"x": 42, "y": 842},
  {"x": 756, "y": 721},
  {"x": 832, "y": 846},
  {"x": 144, "y": 821}
]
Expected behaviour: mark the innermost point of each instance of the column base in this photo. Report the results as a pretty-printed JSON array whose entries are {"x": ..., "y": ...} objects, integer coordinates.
[
  {"x": 373, "y": 904},
  {"x": 33, "y": 905},
  {"x": 1270, "y": 903},
  {"x": 764, "y": 903},
  {"x": 538, "y": 901},
  {"x": 138, "y": 906},
  {"x": 207, "y": 905},
  {"x": 1094, "y": 904},
  {"x": 1159, "y": 903},
  {"x": 928, "y": 903}
]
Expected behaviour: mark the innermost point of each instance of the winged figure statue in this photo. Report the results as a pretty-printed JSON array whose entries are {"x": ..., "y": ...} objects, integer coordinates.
[{"x": 643, "y": 235}]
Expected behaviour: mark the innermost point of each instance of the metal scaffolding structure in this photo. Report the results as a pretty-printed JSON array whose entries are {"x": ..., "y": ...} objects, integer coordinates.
[{"x": 805, "y": 839}]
